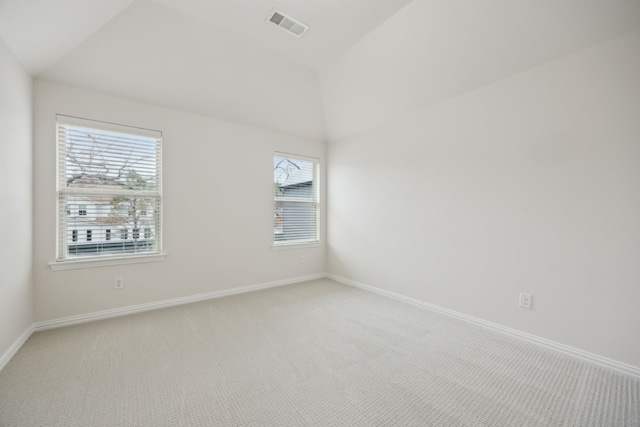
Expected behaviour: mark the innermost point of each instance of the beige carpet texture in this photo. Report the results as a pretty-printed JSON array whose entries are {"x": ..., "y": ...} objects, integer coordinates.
[{"x": 317, "y": 353}]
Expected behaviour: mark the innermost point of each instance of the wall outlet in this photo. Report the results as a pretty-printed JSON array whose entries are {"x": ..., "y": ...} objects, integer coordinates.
[
  {"x": 525, "y": 300},
  {"x": 301, "y": 260},
  {"x": 118, "y": 283}
]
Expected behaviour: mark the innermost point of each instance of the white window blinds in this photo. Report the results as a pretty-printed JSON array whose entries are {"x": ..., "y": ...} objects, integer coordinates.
[
  {"x": 296, "y": 200},
  {"x": 109, "y": 188}
]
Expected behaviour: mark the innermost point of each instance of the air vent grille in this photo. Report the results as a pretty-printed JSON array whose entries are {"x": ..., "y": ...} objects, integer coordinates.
[{"x": 287, "y": 23}]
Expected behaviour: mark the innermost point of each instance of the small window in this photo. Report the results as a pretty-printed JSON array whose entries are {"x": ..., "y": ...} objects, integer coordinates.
[
  {"x": 74, "y": 236},
  {"x": 124, "y": 235},
  {"x": 296, "y": 200},
  {"x": 89, "y": 234},
  {"x": 82, "y": 210},
  {"x": 136, "y": 233},
  {"x": 147, "y": 233},
  {"x": 68, "y": 210},
  {"x": 107, "y": 234}
]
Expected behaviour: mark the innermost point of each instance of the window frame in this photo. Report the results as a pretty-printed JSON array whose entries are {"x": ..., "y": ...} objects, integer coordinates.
[
  {"x": 315, "y": 201},
  {"x": 63, "y": 259}
]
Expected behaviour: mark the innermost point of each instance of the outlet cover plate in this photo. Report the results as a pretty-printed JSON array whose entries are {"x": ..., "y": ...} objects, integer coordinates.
[{"x": 525, "y": 300}]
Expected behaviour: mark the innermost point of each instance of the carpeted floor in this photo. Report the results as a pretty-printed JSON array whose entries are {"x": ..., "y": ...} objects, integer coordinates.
[{"x": 311, "y": 354}]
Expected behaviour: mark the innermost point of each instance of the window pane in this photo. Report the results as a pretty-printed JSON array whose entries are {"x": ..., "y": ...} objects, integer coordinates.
[
  {"x": 295, "y": 208},
  {"x": 103, "y": 213},
  {"x": 107, "y": 159},
  {"x": 293, "y": 177}
]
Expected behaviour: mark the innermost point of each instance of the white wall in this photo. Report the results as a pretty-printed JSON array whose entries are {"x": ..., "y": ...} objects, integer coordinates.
[
  {"x": 216, "y": 173},
  {"x": 529, "y": 184},
  {"x": 16, "y": 285}
]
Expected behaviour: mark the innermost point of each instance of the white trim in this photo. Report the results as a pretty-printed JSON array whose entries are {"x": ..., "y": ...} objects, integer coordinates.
[
  {"x": 107, "y": 126},
  {"x": 315, "y": 160},
  {"x": 115, "y": 312},
  {"x": 70, "y": 263},
  {"x": 624, "y": 368},
  {"x": 303, "y": 245},
  {"x": 8, "y": 355}
]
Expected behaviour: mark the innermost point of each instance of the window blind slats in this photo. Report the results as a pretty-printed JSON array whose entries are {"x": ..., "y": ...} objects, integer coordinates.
[
  {"x": 109, "y": 189},
  {"x": 296, "y": 200}
]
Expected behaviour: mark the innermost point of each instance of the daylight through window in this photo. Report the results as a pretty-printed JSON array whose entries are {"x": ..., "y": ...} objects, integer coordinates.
[
  {"x": 111, "y": 174},
  {"x": 296, "y": 200}
]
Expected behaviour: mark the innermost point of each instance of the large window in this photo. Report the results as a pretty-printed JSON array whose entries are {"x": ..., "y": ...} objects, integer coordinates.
[
  {"x": 296, "y": 200},
  {"x": 112, "y": 174}
]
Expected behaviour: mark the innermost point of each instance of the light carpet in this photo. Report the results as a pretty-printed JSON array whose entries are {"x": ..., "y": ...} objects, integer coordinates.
[{"x": 311, "y": 354}]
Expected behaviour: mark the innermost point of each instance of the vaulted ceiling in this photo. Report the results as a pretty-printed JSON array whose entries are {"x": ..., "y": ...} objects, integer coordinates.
[
  {"x": 42, "y": 32},
  {"x": 222, "y": 58}
]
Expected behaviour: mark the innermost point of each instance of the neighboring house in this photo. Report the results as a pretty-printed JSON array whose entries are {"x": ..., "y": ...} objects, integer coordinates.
[
  {"x": 94, "y": 226},
  {"x": 295, "y": 220}
]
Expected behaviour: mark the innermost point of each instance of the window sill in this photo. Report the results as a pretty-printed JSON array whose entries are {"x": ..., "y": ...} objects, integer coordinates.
[
  {"x": 296, "y": 245},
  {"x": 103, "y": 262}
]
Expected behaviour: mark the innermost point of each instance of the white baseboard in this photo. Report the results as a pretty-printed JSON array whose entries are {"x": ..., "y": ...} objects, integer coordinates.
[
  {"x": 8, "y": 355},
  {"x": 89, "y": 317},
  {"x": 624, "y": 368}
]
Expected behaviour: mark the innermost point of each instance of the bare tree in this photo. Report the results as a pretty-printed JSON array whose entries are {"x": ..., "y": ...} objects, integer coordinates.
[
  {"x": 104, "y": 164},
  {"x": 88, "y": 161},
  {"x": 284, "y": 168},
  {"x": 134, "y": 211}
]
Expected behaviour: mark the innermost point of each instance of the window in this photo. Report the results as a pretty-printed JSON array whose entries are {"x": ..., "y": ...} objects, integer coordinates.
[
  {"x": 147, "y": 233},
  {"x": 296, "y": 200},
  {"x": 112, "y": 173},
  {"x": 136, "y": 233}
]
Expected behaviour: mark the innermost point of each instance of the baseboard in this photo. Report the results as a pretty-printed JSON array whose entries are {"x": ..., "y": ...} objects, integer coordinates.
[
  {"x": 624, "y": 368},
  {"x": 106, "y": 314},
  {"x": 89, "y": 317},
  {"x": 8, "y": 355}
]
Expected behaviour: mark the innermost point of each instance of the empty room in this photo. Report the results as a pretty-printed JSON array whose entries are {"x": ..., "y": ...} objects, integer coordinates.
[{"x": 320, "y": 213}]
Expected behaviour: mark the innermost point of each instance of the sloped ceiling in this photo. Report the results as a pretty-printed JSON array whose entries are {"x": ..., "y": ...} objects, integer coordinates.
[
  {"x": 433, "y": 50},
  {"x": 154, "y": 54},
  {"x": 41, "y": 32},
  {"x": 370, "y": 59},
  {"x": 219, "y": 58},
  {"x": 335, "y": 24}
]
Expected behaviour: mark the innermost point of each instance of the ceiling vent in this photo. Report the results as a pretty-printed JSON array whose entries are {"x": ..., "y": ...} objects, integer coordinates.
[{"x": 287, "y": 23}]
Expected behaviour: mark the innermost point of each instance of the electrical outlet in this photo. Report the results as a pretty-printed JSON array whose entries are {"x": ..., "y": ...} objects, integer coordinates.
[
  {"x": 118, "y": 283},
  {"x": 301, "y": 260},
  {"x": 525, "y": 300}
]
